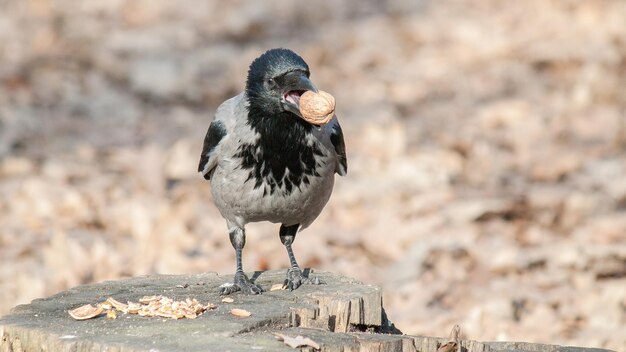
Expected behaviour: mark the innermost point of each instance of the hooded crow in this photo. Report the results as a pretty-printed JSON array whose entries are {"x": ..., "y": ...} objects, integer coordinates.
[{"x": 266, "y": 163}]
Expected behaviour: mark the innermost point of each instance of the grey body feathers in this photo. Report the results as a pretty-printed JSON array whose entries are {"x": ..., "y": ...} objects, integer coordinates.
[{"x": 239, "y": 199}]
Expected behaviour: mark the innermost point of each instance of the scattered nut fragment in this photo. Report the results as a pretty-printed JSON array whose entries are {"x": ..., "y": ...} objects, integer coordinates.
[
  {"x": 148, "y": 299},
  {"x": 228, "y": 300},
  {"x": 150, "y": 306},
  {"x": 278, "y": 287},
  {"x": 116, "y": 304},
  {"x": 86, "y": 312},
  {"x": 317, "y": 108},
  {"x": 133, "y": 308},
  {"x": 164, "y": 315},
  {"x": 240, "y": 312}
]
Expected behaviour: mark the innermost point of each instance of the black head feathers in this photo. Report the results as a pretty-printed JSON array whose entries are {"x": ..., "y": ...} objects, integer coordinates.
[{"x": 271, "y": 64}]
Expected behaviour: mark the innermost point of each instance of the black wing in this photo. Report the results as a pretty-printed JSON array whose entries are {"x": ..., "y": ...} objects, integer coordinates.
[
  {"x": 337, "y": 139},
  {"x": 214, "y": 135}
]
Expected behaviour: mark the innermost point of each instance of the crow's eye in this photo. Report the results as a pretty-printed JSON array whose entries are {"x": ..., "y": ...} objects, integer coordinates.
[{"x": 270, "y": 83}]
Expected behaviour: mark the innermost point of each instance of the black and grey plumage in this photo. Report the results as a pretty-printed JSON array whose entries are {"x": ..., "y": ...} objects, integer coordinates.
[{"x": 266, "y": 163}]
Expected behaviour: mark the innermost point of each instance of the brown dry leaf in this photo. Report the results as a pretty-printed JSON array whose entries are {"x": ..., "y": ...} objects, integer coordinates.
[
  {"x": 447, "y": 347},
  {"x": 240, "y": 312},
  {"x": 85, "y": 312},
  {"x": 298, "y": 341},
  {"x": 278, "y": 287},
  {"x": 453, "y": 343},
  {"x": 227, "y": 300},
  {"x": 455, "y": 332}
]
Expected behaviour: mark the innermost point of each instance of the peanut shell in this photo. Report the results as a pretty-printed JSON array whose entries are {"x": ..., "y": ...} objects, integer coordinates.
[
  {"x": 117, "y": 304},
  {"x": 278, "y": 287},
  {"x": 240, "y": 312},
  {"x": 86, "y": 312}
]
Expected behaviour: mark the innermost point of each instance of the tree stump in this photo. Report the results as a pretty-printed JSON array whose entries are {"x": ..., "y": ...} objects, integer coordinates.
[{"x": 341, "y": 315}]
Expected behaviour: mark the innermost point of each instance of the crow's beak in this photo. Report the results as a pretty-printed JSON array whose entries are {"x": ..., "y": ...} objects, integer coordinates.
[
  {"x": 296, "y": 84},
  {"x": 304, "y": 83}
]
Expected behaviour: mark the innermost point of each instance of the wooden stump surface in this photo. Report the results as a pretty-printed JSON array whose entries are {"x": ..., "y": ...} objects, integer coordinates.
[{"x": 341, "y": 315}]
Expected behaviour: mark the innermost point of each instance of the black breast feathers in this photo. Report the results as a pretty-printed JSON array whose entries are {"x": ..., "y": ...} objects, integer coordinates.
[{"x": 283, "y": 158}]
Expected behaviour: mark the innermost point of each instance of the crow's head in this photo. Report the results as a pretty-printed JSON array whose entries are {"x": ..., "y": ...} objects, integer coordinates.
[{"x": 276, "y": 80}]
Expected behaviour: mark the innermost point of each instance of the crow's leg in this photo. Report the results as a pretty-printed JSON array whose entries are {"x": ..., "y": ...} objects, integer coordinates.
[
  {"x": 241, "y": 282},
  {"x": 295, "y": 276}
]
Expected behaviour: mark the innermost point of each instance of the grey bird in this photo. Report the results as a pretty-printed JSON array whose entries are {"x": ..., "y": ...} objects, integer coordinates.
[{"x": 266, "y": 163}]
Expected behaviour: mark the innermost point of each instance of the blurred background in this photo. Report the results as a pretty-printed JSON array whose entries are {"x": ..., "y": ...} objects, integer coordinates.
[{"x": 486, "y": 142}]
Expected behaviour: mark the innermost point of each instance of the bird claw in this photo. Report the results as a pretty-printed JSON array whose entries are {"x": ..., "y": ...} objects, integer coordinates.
[
  {"x": 243, "y": 284},
  {"x": 295, "y": 278}
]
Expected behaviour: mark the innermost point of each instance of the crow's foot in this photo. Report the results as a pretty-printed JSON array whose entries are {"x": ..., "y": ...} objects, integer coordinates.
[
  {"x": 295, "y": 278},
  {"x": 241, "y": 283}
]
